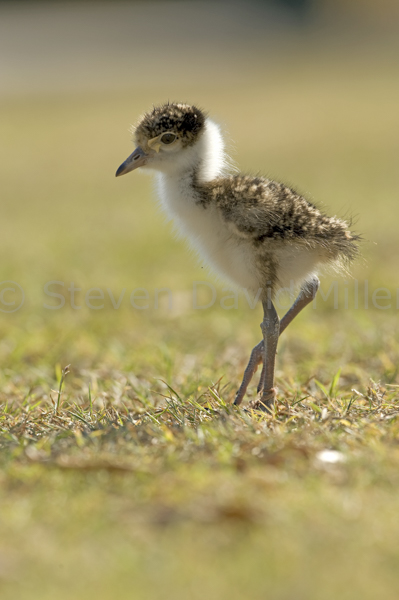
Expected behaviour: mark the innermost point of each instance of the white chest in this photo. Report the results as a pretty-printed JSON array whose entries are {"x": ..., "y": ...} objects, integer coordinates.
[{"x": 227, "y": 255}]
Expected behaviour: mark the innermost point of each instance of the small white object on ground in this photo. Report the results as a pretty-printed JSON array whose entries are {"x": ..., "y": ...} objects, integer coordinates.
[{"x": 330, "y": 456}]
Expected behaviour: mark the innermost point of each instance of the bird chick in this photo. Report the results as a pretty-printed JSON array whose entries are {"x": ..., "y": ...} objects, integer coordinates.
[{"x": 257, "y": 233}]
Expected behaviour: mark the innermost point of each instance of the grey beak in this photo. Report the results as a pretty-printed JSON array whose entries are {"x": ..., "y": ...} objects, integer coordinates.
[{"x": 138, "y": 158}]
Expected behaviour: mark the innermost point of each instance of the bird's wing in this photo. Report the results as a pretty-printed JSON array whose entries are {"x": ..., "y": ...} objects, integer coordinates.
[{"x": 259, "y": 209}]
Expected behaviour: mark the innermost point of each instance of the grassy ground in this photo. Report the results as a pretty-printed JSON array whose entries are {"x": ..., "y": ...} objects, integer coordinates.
[{"x": 138, "y": 479}]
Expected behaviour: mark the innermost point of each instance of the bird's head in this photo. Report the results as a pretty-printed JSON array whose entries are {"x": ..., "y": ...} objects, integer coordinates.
[{"x": 165, "y": 138}]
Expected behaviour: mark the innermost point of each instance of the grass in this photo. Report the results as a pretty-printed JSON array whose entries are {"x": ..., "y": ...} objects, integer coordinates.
[
  {"x": 196, "y": 496},
  {"x": 129, "y": 473}
]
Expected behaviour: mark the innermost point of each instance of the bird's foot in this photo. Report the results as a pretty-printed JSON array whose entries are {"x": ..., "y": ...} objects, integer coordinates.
[{"x": 266, "y": 402}]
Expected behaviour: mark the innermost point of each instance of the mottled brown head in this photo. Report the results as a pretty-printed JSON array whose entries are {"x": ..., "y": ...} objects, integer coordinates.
[
  {"x": 165, "y": 137},
  {"x": 182, "y": 120}
]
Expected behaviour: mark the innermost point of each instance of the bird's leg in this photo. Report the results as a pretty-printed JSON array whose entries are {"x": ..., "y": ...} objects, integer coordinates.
[
  {"x": 253, "y": 364},
  {"x": 305, "y": 296},
  {"x": 265, "y": 353},
  {"x": 271, "y": 330}
]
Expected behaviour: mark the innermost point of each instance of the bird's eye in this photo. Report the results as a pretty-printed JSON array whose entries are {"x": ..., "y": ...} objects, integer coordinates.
[{"x": 168, "y": 138}]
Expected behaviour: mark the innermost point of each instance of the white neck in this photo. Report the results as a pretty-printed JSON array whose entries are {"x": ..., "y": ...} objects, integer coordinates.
[
  {"x": 206, "y": 157},
  {"x": 212, "y": 157}
]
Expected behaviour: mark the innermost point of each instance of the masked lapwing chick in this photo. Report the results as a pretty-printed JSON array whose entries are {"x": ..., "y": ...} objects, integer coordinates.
[{"x": 258, "y": 234}]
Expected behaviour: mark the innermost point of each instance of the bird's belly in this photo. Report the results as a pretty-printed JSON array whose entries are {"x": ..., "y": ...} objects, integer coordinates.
[
  {"x": 296, "y": 265},
  {"x": 225, "y": 254}
]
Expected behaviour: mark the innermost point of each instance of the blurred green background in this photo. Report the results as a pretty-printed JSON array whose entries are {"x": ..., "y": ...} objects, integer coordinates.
[{"x": 306, "y": 92}]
